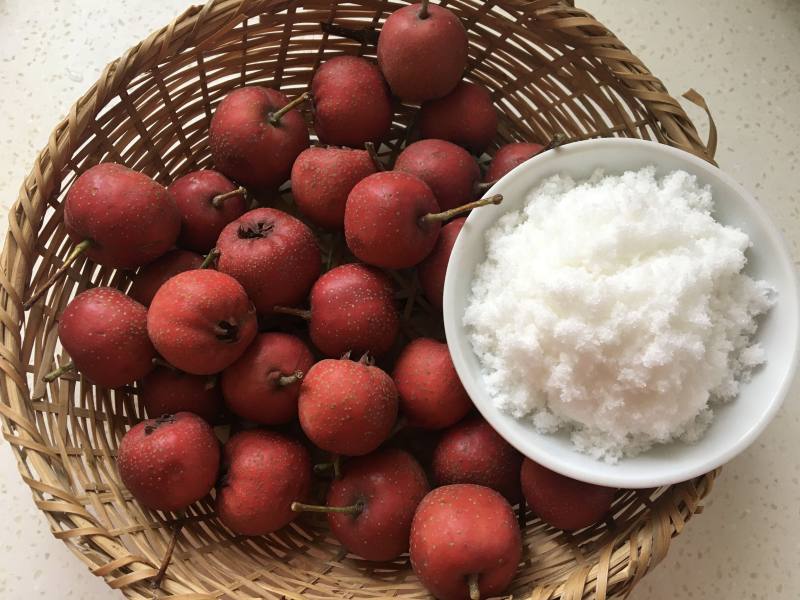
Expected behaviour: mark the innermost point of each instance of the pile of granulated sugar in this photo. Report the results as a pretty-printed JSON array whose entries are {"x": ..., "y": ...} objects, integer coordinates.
[{"x": 615, "y": 307}]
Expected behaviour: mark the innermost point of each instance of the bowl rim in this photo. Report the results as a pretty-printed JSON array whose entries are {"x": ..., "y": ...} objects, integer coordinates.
[{"x": 564, "y": 466}]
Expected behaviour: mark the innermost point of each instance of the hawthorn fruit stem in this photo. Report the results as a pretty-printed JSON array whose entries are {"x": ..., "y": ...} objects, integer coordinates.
[
  {"x": 275, "y": 118},
  {"x": 373, "y": 154},
  {"x": 335, "y": 465},
  {"x": 79, "y": 249},
  {"x": 210, "y": 258},
  {"x": 557, "y": 140},
  {"x": 285, "y": 380},
  {"x": 485, "y": 186},
  {"x": 53, "y": 375},
  {"x": 219, "y": 199},
  {"x": 162, "y": 570},
  {"x": 322, "y": 467},
  {"x": 474, "y": 590},
  {"x": 459, "y": 210},
  {"x": 295, "y": 312},
  {"x": 423, "y": 11},
  {"x": 353, "y": 509},
  {"x": 365, "y": 35}
]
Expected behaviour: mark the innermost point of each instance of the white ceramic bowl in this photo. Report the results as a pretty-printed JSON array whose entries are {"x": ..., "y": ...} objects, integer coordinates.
[{"x": 737, "y": 423}]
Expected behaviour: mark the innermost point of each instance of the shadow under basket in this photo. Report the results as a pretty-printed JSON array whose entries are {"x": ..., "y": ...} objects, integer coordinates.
[{"x": 551, "y": 68}]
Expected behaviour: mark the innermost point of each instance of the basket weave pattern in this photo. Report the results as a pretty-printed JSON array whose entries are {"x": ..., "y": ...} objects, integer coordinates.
[{"x": 551, "y": 68}]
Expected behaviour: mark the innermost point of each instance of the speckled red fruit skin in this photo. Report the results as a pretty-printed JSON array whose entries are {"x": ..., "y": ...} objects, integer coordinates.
[
  {"x": 431, "y": 394},
  {"x": 353, "y": 310},
  {"x": 250, "y": 385},
  {"x": 322, "y": 179},
  {"x": 244, "y": 144},
  {"x": 169, "y": 463},
  {"x": 167, "y": 391},
  {"x": 450, "y": 171},
  {"x": 347, "y": 407},
  {"x": 563, "y": 502},
  {"x": 473, "y": 452},
  {"x": 273, "y": 255},
  {"x": 201, "y": 221},
  {"x": 130, "y": 218},
  {"x": 105, "y": 334},
  {"x": 382, "y": 223},
  {"x": 188, "y": 317},
  {"x": 422, "y": 59},
  {"x": 433, "y": 269},
  {"x": 466, "y": 116},
  {"x": 391, "y": 485},
  {"x": 152, "y": 276},
  {"x": 266, "y": 472},
  {"x": 509, "y": 156},
  {"x": 351, "y": 102},
  {"x": 460, "y": 530}
]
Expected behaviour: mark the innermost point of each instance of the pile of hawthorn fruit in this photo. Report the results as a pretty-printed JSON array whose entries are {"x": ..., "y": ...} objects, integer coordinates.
[{"x": 206, "y": 339}]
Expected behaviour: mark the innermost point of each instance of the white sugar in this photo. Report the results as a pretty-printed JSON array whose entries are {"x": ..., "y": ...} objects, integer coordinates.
[{"x": 616, "y": 307}]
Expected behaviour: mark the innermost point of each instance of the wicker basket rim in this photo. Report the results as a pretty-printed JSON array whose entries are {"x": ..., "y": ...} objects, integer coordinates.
[{"x": 199, "y": 27}]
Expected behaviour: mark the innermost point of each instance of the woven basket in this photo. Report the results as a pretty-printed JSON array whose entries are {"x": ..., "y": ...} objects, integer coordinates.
[{"x": 551, "y": 67}]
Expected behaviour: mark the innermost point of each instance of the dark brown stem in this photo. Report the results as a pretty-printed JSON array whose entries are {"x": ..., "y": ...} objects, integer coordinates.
[
  {"x": 53, "y": 375},
  {"x": 275, "y": 118},
  {"x": 373, "y": 154},
  {"x": 353, "y": 509},
  {"x": 295, "y": 312},
  {"x": 162, "y": 570},
  {"x": 366, "y": 359},
  {"x": 423, "y": 10},
  {"x": 335, "y": 465},
  {"x": 557, "y": 140},
  {"x": 323, "y": 467},
  {"x": 365, "y": 35},
  {"x": 210, "y": 258},
  {"x": 218, "y": 200},
  {"x": 485, "y": 186},
  {"x": 285, "y": 380},
  {"x": 474, "y": 590},
  {"x": 160, "y": 362},
  {"x": 460, "y": 210},
  {"x": 58, "y": 274}
]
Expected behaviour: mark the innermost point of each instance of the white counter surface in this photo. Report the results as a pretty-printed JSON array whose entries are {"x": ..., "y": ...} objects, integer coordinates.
[{"x": 741, "y": 54}]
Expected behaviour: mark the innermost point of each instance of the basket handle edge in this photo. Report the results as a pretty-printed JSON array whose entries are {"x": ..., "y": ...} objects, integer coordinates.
[{"x": 697, "y": 99}]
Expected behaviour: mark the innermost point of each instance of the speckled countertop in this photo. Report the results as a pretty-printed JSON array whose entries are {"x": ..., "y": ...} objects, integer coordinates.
[{"x": 741, "y": 54}]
